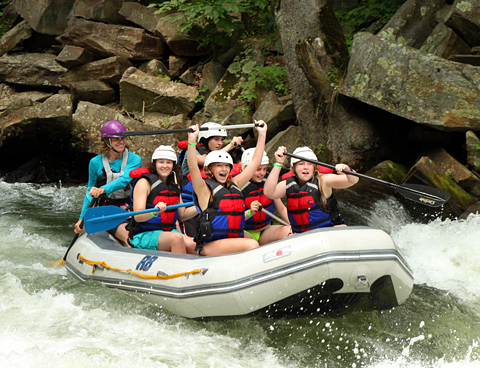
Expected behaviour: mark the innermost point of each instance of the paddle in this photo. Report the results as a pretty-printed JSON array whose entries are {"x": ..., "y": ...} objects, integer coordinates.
[
  {"x": 275, "y": 217},
  {"x": 428, "y": 196},
  {"x": 94, "y": 202},
  {"x": 186, "y": 130},
  {"x": 107, "y": 217}
]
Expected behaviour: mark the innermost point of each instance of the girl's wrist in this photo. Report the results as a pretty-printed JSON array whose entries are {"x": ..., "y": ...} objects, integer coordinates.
[
  {"x": 278, "y": 164},
  {"x": 192, "y": 143}
]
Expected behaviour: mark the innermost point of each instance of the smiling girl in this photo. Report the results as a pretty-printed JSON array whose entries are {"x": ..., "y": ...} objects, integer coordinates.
[
  {"x": 310, "y": 200},
  {"x": 160, "y": 188},
  {"x": 220, "y": 200}
]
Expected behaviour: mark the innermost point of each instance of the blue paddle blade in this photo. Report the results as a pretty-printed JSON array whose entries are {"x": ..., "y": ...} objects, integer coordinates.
[{"x": 107, "y": 217}]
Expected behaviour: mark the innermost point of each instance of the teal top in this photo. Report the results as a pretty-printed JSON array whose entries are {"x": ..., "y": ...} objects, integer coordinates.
[{"x": 95, "y": 170}]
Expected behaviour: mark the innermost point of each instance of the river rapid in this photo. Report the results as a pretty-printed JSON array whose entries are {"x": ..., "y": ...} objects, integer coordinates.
[{"x": 49, "y": 319}]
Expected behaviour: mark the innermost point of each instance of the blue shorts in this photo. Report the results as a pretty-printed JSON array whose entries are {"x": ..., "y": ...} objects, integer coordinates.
[{"x": 147, "y": 239}]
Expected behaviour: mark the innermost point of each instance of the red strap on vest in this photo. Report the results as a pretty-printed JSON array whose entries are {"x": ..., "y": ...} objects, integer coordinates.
[{"x": 136, "y": 173}]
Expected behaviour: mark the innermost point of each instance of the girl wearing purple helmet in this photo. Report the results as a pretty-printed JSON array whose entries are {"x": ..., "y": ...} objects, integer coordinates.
[{"x": 108, "y": 174}]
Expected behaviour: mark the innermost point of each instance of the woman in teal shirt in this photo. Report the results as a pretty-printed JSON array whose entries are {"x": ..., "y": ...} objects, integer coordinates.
[{"x": 108, "y": 175}]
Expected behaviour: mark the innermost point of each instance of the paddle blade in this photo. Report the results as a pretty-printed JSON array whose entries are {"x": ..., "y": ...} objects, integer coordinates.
[
  {"x": 428, "y": 196},
  {"x": 104, "y": 218},
  {"x": 55, "y": 264}
]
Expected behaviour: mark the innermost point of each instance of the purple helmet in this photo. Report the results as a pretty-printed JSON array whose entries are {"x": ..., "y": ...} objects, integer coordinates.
[{"x": 110, "y": 128}]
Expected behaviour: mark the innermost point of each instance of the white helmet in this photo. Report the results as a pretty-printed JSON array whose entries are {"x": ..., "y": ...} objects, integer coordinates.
[
  {"x": 214, "y": 130},
  {"x": 304, "y": 152},
  {"x": 248, "y": 155},
  {"x": 165, "y": 152},
  {"x": 218, "y": 156}
]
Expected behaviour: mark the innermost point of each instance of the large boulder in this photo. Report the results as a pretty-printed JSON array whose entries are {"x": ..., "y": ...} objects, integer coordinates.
[
  {"x": 113, "y": 40},
  {"x": 33, "y": 69},
  {"x": 142, "y": 92},
  {"x": 73, "y": 56},
  {"x": 9, "y": 97},
  {"x": 108, "y": 70},
  {"x": 414, "y": 85},
  {"x": 140, "y": 15},
  {"x": 47, "y": 16},
  {"x": 99, "y": 10},
  {"x": 459, "y": 173},
  {"x": 426, "y": 172},
  {"x": 444, "y": 42},
  {"x": 413, "y": 22},
  {"x": 34, "y": 127},
  {"x": 180, "y": 42},
  {"x": 465, "y": 20},
  {"x": 473, "y": 150},
  {"x": 14, "y": 36}
]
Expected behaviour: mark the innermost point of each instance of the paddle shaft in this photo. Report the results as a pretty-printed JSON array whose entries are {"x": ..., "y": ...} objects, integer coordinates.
[
  {"x": 93, "y": 202},
  {"x": 275, "y": 217},
  {"x": 362, "y": 176},
  {"x": 186, "y": 130},
  {"x": 134, "y": 213}
]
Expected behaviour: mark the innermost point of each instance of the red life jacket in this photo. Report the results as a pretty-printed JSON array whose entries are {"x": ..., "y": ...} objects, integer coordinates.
[
  {"x": 254, "y": 192},
  {"x": 160, "y": 192},
  {"x": 304, "y": 205}
]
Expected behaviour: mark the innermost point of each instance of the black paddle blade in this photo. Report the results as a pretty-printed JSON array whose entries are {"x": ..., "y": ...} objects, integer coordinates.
[{"x": 428, "y": 196}]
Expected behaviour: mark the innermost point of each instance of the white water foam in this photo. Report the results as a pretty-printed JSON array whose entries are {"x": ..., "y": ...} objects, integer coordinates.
[{"x": 444, "y": 254}]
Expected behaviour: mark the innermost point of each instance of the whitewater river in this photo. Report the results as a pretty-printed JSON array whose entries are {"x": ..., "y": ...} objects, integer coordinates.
[{"x": 48, "y": 319}]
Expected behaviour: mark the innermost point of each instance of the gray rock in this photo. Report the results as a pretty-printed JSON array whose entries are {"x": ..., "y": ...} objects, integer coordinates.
[
  {"x": 473, "y": 150},
  {"x": 409, "y": 83},
  {"x": 33, "y": 69},
  {"x": 73, "y": 56},
  {"x": 14, "y": 36},
  {"x": 143, "y": 92},
  {"x": 47, "y": 17},
  {"x": 140, "y": 15},
  {"x": 99, "y": 10},
  {"x": 413, "y": 22},
  {"x": 465, "y": 20},
  {"x": 94, "y": 91},
  {"x": 108, "y": 70},
  {"x": 113, "y": 40}
]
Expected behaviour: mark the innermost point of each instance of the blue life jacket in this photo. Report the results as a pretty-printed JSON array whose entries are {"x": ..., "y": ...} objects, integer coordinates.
[{"x": 225, "y": 212}]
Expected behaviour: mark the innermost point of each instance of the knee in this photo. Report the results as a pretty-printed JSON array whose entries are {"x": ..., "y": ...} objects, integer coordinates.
[{"x": 251, "y": 244}]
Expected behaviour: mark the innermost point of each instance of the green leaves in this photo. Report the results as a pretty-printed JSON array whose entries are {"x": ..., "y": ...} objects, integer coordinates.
[
  {"x": 273, "y": 76},
  {"x": 219, "y": 19}
]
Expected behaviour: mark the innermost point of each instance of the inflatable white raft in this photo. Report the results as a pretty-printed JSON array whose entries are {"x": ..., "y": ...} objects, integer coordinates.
[{"x": 323, "y": 271}]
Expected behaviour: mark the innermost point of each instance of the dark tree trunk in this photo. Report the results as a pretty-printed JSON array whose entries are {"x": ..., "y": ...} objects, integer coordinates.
[{"x": 315, "y": 51}]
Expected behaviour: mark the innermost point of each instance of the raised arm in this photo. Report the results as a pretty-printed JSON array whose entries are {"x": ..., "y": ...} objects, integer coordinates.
[
  {"x": 199, "y": 186},
  {"x": 340, "y": 180},
  {"x": 272, "y": 188},
  {"x": 241, "y": 179}
]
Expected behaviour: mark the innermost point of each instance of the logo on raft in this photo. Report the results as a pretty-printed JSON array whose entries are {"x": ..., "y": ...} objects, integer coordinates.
[{"x": 277, "y": 254}]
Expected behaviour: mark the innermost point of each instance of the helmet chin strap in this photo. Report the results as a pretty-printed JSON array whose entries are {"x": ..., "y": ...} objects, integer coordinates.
[{"x": 109, "y": 145}]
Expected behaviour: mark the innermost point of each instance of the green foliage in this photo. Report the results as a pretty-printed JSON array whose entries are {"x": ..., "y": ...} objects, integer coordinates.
[
  {"x": 219, "y": 19},
  {"x": 275, "y": 76},
  {"x": 369, "y": 16},
  {"x": 5, "y": 26},
  {"x": 201, "y": 95}
]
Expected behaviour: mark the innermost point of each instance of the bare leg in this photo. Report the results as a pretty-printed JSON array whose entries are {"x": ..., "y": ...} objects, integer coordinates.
[
  {"x": 122, "y": 233},
  {"x": 171, "y": 242},
  {"x": 190, "y": 245},
  {"x": 273, "y": 233},
  {"x": 229, "y": 245}
]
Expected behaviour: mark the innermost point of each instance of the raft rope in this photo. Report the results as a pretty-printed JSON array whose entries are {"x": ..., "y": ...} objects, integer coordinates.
[{"x": 103, "y": 265}]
